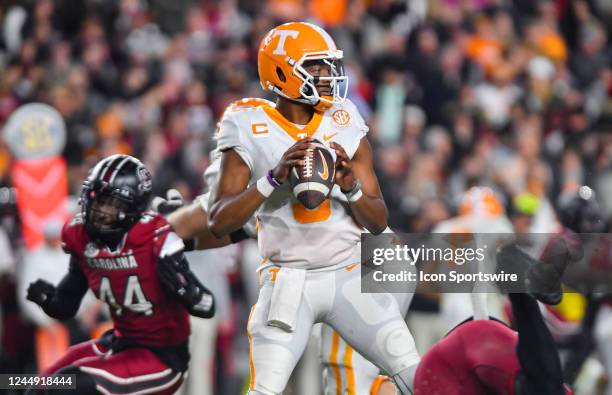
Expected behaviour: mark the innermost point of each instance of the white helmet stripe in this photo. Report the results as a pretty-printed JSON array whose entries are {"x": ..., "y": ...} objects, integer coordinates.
[
  {"x": 119, "y": 166},
  {"x": 328, "y": 40}
]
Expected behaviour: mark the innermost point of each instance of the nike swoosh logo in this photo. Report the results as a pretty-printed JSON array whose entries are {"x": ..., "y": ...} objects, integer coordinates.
[
  {"x": 328, "y": 137},
  {"x": 325, "y": 174}
]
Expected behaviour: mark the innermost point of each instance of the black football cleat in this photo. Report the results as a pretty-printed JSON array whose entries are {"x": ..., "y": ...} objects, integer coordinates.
[{"x": 542, "y": 280}]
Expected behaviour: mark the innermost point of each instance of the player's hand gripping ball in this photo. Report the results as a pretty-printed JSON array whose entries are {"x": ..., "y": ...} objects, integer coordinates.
[{"x": 312, "y": 182}]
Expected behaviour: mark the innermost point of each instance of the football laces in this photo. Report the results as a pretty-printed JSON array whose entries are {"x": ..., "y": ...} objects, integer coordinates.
[{"x": 308, "y": 165}]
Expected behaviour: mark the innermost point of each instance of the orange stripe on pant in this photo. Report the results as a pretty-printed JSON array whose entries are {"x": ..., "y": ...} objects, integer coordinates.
[
  {"x": 350, "y": 373},
  {"x": 252, "y": 367},
  {"x": 333, "y": 356}
]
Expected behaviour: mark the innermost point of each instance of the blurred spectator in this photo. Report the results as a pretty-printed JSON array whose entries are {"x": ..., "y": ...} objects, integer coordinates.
[{"x": 49, "y": 262}]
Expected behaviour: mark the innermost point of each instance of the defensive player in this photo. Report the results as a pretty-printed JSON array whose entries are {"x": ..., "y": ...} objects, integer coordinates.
[
  {"x": 487, "y": 357},
  {"x": 133, "y": 261},
  {"x": 311, "y": 256}
]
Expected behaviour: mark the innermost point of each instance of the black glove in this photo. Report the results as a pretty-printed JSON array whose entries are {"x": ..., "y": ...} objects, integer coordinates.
[
  {"x": 172, "y": 202},
  {"x": 174, "y": 272},
  {"x": 40, "y": 292}
]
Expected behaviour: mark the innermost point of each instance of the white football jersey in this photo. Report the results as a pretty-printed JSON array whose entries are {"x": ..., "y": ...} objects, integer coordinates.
[{"x": 289, "y": 234}]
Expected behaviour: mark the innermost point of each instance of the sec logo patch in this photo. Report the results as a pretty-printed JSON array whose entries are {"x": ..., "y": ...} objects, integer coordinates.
[{"x": 341, "y": 118}]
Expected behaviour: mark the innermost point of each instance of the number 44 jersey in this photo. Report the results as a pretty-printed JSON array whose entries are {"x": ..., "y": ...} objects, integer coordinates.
[{"x": 126, "y": 279}]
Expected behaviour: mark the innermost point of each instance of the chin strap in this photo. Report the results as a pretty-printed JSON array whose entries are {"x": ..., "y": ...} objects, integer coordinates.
[{"x": 322, "y": 105}]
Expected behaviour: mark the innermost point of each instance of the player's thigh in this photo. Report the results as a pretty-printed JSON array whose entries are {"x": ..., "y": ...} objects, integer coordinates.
[
  {"x": 273, "y": 351},
  {"x": 344, "y": 370},
  {"x": 372, "y": 324},
  {"x": 134, "y": 370},
  {"x": 86, "y": 349}
]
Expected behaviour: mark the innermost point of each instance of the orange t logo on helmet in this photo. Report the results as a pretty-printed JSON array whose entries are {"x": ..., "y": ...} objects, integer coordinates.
[{"x": 280, "y": 60}]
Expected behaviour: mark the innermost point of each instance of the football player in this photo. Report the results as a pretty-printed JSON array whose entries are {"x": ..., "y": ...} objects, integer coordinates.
[
  {"x": 344, "y": 370},
  {"x": 311, "y": 256},
  {"x": 484, "y": 356},
  {"x": 487, "y": 357},
  {"x": 133, "y": 261}
]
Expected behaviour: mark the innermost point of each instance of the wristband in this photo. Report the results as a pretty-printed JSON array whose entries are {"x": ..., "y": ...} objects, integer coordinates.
[
  {"x": 273, "y": 181},
  {"x": 354, "y": 194},
  {"x": 264, "y": 186}
]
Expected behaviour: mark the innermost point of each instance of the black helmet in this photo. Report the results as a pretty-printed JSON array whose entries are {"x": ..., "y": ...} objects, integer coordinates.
[
  {"x": 581, "y": 213},
  {"x": 114, "y": 196}
]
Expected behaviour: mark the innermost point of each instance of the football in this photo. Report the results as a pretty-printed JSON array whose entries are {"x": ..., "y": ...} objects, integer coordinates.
[{"x": 312, "y": 182}]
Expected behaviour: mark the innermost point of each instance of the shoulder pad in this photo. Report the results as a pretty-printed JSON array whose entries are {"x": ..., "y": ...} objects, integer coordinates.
[
  {"x": 150, "y": 226},
  {"x": 248, "y": 103},
  {"x": 76, "y": 220},
  {"x": 73, "y": 234}
]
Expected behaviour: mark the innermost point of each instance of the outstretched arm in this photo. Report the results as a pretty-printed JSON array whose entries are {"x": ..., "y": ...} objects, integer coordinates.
[
  {"x": 191, "y": 223},
  {"x": 61, "y": 302}
]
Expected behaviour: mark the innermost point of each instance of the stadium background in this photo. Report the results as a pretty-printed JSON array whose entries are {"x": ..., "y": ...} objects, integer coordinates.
[{"x": 513, "y": 95}]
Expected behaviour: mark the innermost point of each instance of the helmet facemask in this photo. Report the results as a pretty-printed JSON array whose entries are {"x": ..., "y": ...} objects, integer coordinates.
[
  {"x": 107, "y": 214},
  {"x": 338, "y": 80}
]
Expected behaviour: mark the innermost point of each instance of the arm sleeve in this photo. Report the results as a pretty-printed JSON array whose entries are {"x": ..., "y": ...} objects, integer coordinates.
[
  {"x": 174, "y": 272},
  {"x": 359, "y": 125},
  {"x": 69, "y": 243},
  {"x": 68, "y": 294},
  {"x": 229, "y": 137}
]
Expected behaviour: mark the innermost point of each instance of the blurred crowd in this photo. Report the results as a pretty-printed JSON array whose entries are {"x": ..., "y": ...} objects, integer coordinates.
[{"x": 513, "y": 95}]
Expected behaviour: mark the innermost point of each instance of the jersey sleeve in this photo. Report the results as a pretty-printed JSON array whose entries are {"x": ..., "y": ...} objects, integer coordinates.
[
  {"x": 229, "y": 137},
  {"x": 359, "y": 125},
  {"x": 69, "y": 234},
  {"x": 165, "y": 241},
  {"x": 204, "y": 201}
]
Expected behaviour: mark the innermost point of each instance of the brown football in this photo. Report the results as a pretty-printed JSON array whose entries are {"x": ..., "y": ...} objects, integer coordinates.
[{"x": 312, "y": 182}]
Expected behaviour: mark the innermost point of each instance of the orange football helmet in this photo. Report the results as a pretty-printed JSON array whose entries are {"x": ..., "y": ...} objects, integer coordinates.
[{"x": 280, "y": 61}]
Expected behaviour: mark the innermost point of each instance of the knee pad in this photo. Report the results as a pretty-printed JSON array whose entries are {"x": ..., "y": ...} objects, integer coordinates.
[{"x": 398, "y": 347}]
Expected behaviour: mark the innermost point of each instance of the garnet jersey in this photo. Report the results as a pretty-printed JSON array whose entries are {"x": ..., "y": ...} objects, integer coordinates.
[
  {"x": 126, "y": 279},
  {"x": 289, "y": 234},
  {"x": 475, "y": 358}
]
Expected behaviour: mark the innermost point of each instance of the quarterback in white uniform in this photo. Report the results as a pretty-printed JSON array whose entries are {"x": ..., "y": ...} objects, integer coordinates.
[
  {"x": 344, "y": 369},
  {"x": 312, "y": 257}
]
